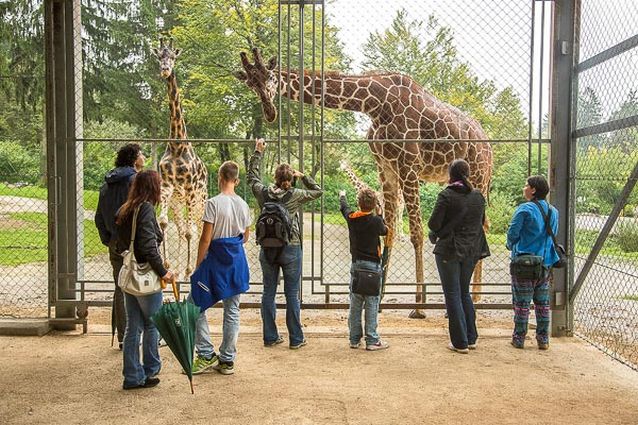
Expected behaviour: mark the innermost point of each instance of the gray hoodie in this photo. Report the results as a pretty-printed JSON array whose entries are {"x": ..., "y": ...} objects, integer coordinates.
[{"x": 299, "y": 197}]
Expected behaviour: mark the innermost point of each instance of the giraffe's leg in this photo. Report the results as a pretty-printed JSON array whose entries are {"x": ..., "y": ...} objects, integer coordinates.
[
  {"x": 412, "y": 202},
  {"x": 400, "y": 209},
  {"x": 477, "y": 277},
  {"x": 178, "y": 217},
  {"x": 194, "y": 216},
  {"x": 389, "y": 185},
  {"x": 165, "y": 197},
  {"x": 476, "y": 281}
]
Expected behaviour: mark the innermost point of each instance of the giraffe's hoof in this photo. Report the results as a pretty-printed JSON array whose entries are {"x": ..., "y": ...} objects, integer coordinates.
[{"x": 416, "y": 314}]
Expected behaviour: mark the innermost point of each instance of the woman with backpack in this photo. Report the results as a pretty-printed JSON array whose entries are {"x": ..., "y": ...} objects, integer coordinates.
[
  {"x": 139, "y": 207},
  {"x": 528, "y": 236},
  {"x": 278, "y": 233}
]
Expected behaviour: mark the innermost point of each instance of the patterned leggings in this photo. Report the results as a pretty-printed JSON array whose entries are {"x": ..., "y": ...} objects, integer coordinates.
[{"x": 523, "y": 293}]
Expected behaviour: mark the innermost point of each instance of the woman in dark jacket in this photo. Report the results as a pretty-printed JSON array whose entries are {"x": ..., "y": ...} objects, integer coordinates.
[
  {"x": 456, "y": 227},
  {"x": 144, "y": 194}
]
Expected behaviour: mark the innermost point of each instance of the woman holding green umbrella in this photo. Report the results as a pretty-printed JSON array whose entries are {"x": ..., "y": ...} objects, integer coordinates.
[{"x": 143, "y": 196}]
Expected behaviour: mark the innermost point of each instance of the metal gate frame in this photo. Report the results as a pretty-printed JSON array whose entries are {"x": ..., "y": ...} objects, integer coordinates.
[{"x": 64, "y": 130}]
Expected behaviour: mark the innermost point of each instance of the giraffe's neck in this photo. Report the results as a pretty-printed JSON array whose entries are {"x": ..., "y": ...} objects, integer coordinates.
[
  {"x": 177, "y": 126},
  {"x": 348, "y": 92},
  {"x": 358, "y": 184}
]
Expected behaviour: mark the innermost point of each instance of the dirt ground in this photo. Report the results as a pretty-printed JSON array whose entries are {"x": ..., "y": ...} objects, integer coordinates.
[{"x": 67, "y": 377}]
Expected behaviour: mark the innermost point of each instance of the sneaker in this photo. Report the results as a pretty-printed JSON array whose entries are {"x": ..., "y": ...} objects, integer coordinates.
[
  {"x": 225, "y": 368},
  {"x": 297, "y": 346},
  {"x": 543, "y": 345},
  {"x": 201, "y": 364},
  {"x": 278, "y": 341},
  {"x": 149, "y": 383},
  {"x": 355, "y": 345},
  {"x": 451, "y": 347},
  {"x": 517, "y": 344},
  {"x": 379, "y": 345},
  {"x": 472, "y": 346}
]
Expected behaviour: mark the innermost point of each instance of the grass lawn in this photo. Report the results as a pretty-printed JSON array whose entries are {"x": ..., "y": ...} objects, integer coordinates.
[
  {"x": 23, "y": 239},
  {"x": 37, "y": 192}
]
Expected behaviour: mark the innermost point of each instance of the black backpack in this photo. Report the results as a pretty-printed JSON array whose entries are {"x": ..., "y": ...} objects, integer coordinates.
[{"x": 274, "y": 226}]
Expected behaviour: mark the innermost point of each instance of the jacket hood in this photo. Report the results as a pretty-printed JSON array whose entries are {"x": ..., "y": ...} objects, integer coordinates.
[
  {"x": 119, "y": 174},
  {"x": 358, "y": 214},
  {"x": 276, "y": 192}
]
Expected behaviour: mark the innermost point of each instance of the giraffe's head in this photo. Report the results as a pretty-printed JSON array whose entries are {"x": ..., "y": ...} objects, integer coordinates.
[
  {"x": 262, "y": 79},
  {"x": 166, "y": 56}
]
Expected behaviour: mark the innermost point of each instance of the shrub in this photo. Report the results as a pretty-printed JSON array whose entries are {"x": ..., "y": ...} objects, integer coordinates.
[
  {"x": 627, "y": 236},
  {"x": 499, "y": 212}
]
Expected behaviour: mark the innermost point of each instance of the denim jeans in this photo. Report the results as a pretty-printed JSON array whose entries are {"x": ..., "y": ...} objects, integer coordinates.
[
  {"x": 138, "y": 319},
  {"x": 230, "y": 332},
  {"x": 455, "y": 280},
  {"x": 357, "y": 303},
  {"x": 289, "y": 262},
  {"x": 118, "y": 312}
]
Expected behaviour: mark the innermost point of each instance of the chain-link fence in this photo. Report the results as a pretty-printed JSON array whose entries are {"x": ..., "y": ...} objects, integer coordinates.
[
  {"x": 606, "y": 223},
  {"x": 488, "y": 60},
  {"x": 433, "y": 42},
  {"x": 23, "y": 199}
]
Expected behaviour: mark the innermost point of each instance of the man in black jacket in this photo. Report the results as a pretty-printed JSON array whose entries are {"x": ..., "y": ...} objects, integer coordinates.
[
  {"x": 113, "y": 194},
  {"x": 364, "y": 228}
]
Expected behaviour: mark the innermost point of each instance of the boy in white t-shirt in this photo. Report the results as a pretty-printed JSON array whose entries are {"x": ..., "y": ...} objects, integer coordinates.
[{"x": 225, "y": 216}]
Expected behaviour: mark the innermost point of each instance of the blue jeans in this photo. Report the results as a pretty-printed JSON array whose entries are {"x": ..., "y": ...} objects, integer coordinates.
[
  {"x": 230, "y": 332},
  {"x": 138, "y": 319},
  {"x": 455, "y": 280},
  {"x": 289, "y": 261},
  {"x": 357, "y": 303}
]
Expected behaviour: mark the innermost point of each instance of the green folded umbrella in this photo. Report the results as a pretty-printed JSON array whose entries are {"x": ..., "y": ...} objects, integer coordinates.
[{"x": 176, "y": 323}]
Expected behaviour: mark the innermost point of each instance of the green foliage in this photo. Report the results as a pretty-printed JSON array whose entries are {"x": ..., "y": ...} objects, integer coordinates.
[
  {"x": 600, "y": 177},
  {"x": 627, "y": 236},
  {"x": 499, "y": 212},
  {"x": 99, "y": 157},
  {"x": 18, "y": 164}
]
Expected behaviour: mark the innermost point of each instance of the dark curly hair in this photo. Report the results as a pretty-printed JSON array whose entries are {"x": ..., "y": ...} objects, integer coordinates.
[
  {"x": 127, "y": 155},
  {"x": 539, "y": 183}
]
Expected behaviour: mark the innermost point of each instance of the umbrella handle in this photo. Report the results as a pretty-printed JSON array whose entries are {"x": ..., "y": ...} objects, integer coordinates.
[{"x": 175, "y": 293}]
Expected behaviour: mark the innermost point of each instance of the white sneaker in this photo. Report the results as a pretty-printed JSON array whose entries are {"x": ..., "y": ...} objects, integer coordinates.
[
  {"x": 379, "y": 345},
  {"x": 355, "y": 345},
  {"x": 458, "y": 350}
]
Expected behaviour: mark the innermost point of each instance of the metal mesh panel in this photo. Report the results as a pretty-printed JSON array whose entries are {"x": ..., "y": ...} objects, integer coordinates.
[
  {"x": 125, "y": 98},
  {"x": 606, "y": 305},
  {"x": 23, "y": 193}
]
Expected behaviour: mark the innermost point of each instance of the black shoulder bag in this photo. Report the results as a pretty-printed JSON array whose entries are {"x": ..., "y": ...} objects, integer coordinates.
[{"x": 560, "y": 249}]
